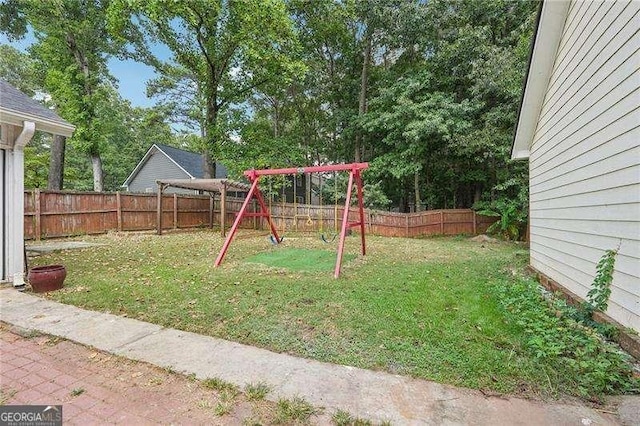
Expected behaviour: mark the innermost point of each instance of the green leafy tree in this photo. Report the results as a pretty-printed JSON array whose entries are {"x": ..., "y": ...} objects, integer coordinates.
[
  {"x": 18, "y": 69},
  {"x": 72, "y": 47},
  {"x": 228, "y": 48}
]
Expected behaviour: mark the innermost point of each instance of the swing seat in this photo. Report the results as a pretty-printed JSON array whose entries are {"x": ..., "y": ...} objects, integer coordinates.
[
  {"x": 274, "y": 241},
  {"x": 326, "y": 240}
]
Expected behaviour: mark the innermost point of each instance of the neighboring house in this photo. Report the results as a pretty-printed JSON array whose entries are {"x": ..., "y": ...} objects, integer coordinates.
[
  {"x": 20, "y": 117},
  {"x": 300, "y": 189},
  {"x": 579, "y": 126},
  {"x": 167, "y": 162}
]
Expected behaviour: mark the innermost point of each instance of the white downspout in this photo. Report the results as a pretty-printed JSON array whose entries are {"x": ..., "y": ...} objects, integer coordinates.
[
  {"x": 28, "y": 130},
  {"x": 15, "y": 205}
]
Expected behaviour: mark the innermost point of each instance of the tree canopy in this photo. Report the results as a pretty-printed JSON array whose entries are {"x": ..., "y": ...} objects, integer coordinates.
[{"x": 427, "y": 92}]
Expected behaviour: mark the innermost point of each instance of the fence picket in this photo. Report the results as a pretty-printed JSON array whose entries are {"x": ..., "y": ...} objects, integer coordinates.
[{"x": 67, "y": 213}]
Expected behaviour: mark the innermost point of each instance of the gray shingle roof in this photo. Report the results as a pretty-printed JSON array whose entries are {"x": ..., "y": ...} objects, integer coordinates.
[
  {"x": 12, "y": 98},
  {"x": 190, "y": 161}
]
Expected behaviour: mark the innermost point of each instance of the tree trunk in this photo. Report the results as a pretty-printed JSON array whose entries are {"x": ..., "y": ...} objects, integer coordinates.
[
  {"x": 478, "y": 193},
  {"x": 98, "y": 179},
  {"x": 416, "y": 185},
  {"x": 208, "y": 166},
  {"x": 211, "y": 141},
  {"x": 362, "y": 102},
  {"x": 56, "y": 164}
]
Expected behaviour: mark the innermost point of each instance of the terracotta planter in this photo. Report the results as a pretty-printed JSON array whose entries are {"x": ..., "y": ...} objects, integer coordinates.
[{"x": 47, "y": 278}]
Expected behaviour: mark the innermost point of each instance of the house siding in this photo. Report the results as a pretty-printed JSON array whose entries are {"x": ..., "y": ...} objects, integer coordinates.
[
  {"x": 585, "y": 156},
  {"x": 158, "y": 166}
]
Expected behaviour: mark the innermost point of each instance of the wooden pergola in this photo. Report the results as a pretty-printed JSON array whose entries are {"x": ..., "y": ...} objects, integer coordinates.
[{"x": 212, "y": 186}]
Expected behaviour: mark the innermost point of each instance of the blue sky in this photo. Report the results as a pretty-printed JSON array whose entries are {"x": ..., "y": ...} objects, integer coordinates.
[
  {"x": 132, "y": 76},
  {"x": 132, "y": 79}
]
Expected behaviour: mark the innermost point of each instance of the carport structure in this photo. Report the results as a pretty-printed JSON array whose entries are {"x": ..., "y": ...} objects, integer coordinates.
[{"x": 211, "y": 186}]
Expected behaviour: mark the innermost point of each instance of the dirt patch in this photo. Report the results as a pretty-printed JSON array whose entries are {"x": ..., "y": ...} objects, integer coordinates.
[{"x": 483, "y": 238}]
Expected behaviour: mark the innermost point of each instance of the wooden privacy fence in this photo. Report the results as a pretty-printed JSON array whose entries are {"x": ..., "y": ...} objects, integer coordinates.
[{"x": 64, "y": 213}]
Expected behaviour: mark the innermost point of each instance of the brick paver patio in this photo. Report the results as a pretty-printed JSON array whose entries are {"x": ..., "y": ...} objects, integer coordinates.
[{"x": 98, "y": 388}]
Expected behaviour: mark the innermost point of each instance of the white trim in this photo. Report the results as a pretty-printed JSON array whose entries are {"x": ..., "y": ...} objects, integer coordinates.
[
  {"x": 4, "y": 219},
  {"x": 521, "y": 155},
  {"x": 135, "y": 171},
  {"x": 14, "y": 187},
  {"x": 548, "y": 35},
  {"x": 137, "y": 168},
  {"x": 16, "y": 118},
  {"x": 28, "y": 129}
]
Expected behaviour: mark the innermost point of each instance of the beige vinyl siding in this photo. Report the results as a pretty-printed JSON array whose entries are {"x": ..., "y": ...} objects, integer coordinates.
[{"x": 585, "y": 156}]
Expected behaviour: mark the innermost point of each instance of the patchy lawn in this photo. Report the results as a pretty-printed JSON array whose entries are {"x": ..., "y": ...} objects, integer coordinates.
[{"x": 426, "y": 308}]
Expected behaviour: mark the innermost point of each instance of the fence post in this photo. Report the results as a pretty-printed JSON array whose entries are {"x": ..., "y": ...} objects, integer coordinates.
[
  {"x": 255, "y": 219},
  {"x": 441, "y": 222},
  {"x": 406, "y": 226},
  {"x": 223, "y": 209},
  {"x": 119, "y": 211},
  {"x": 211, "y": 207},
  {"x": 175, "y": 211},
  {"x": 159, "y": 209},
  {"x": 38, "y": 212},
  {"x": 475, "y": 226}
]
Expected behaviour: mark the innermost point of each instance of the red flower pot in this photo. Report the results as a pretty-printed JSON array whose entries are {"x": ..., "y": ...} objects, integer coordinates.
[{"x": 47, "y": 278}]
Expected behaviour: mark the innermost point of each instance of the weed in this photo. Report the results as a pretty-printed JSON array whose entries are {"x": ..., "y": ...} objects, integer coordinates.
[
  {"x": 590, "y": 365},
  {"x": 343, "y": 418},
  {"x": 293, "y": 410},
  {"x": 256, "y": 392},
  {"x": 26, "y": 333},
  {"x": 227, "y": 394},
  {"x": 227, "y": 401},
  {"x": 6, "y": 395},
  {"x": 203, "y": 403},
  {"x": 155, "y": 381},
  {"x": 221, "y": 386},
  {"x": 598, "y": 296},
  {"x": 52, "y": 341},
  {"x": 77, "y": 391}
]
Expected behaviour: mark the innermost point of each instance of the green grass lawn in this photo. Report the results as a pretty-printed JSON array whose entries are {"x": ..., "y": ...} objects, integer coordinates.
[
  {"x": 299, "y": 259},
  {"x": 419, "y": 307}
]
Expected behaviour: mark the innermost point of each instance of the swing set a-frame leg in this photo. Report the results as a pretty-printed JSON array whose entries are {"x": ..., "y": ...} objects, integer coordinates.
[
  {"x": 353, "y": 175},
  {"x": 254, "y": 175},
  {"x": 264, "y": 212}
]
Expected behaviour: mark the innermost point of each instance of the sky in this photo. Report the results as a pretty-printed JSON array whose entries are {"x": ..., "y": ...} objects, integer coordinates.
[
  {"x": 132, "y": 79},
  {"x": 132, "y": 76}
]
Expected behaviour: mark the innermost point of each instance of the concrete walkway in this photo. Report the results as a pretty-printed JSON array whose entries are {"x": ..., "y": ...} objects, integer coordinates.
[{"x": 367, "y": 394}]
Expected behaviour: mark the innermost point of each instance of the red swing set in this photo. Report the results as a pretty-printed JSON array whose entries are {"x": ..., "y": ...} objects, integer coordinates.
[{"x": 355, "y": 175}]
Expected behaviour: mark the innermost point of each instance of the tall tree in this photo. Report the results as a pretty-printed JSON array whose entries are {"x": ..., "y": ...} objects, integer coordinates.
[
  {"x": 55, "y": 179},
  {"x": 450, "y": 100},
  {"x": 72, "y": 46},
  {"x": 19, "y": 70},
  {"x": 229, "y": 47}
]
